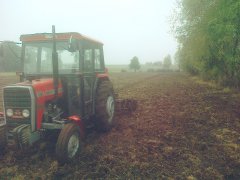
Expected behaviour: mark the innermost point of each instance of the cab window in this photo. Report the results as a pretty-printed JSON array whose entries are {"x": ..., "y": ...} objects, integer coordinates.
[
  {"x": 97, "y": 59},
  {"x": 88, "y": 60}
]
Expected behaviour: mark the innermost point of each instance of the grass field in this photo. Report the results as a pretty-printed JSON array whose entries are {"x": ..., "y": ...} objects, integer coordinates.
[{"x": 182, "y": 129}]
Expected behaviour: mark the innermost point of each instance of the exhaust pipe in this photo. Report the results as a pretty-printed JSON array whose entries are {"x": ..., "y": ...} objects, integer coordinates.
[{"x": 55, "y": 62}]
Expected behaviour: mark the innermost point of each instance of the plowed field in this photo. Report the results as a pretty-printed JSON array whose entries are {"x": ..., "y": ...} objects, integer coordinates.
[{"x": 183, "y": 129}]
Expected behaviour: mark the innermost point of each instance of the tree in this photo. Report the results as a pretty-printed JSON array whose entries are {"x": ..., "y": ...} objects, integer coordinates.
[
  {"x": 134, "y": 64},
  {"x": 149, "y": 63},
  {"x": 158, "y": 63},
  {"x": 9, "y": 56},
  {"x": 208, "y": 32},
  {"x": 167, "y": 62}
]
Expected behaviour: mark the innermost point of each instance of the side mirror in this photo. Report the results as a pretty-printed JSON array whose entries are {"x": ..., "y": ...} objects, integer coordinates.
[{"x": 72, "y": 44}]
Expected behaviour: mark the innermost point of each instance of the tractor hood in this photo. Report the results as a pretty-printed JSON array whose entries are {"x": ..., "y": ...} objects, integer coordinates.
[
  {"x": 43, "y": 87},
  {"x": 32, "y": 95}
]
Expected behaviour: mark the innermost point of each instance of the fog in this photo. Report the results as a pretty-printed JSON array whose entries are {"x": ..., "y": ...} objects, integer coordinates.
[{"x": 126, "y": 27}]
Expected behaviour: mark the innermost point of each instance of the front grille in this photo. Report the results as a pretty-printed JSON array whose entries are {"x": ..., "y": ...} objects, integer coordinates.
[{"x": 17, "y": 98}]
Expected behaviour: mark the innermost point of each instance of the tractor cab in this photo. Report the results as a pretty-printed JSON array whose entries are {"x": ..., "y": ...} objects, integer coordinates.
[
  {"x": 76, "y": 53},
  {"x": 74, "y": 64},
  {"x": 64, "y": 87}
]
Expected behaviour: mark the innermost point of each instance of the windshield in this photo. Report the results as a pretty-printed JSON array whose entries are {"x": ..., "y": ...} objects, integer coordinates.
[{"x": 38, "y": 58}]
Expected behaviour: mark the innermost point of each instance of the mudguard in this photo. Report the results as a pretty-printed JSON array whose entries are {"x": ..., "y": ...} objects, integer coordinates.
[{"x": 76, "y": 119}]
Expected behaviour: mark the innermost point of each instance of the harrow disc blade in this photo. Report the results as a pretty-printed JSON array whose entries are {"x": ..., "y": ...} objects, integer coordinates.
[{"x": 126, "y": 106}]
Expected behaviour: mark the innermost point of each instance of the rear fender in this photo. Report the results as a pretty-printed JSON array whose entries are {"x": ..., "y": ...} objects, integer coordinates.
[
  {"x": 103, "y": 75},
  {"x": 77, "y": 120}
]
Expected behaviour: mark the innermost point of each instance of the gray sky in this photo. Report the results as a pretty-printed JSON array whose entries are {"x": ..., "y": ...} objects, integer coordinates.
[{"x": 126, "y": 27}]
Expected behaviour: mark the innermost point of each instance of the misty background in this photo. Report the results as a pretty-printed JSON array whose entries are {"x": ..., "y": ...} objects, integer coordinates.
[{"x": 126, "y": 27}]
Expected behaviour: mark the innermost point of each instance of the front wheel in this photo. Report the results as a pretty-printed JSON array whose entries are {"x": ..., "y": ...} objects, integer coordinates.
[{"x": 68, "y": 143}]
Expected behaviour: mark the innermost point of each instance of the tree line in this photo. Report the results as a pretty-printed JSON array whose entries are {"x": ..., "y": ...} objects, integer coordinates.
[
  {"x": 208, "y": 33},
  {"x": 10, "y": 55},
  {"x": 166, "y": 64}
]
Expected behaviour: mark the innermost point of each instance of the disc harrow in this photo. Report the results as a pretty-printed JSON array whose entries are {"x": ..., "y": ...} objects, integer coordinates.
[{"x": 126, "y": 106}]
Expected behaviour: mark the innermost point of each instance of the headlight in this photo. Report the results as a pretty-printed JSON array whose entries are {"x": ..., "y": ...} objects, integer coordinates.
[
  {"x": 9, "y": 112},
  {"x": 26, "y": 113}
]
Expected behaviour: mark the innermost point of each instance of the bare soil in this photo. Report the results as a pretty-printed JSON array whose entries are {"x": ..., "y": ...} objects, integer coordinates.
[{"x": 182, "y": 129}]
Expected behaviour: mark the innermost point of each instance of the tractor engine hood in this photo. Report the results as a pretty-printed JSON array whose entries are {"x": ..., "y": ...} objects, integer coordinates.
[
  {"x": 32, "y": 95},
  {"x": 43, "y": 88}
]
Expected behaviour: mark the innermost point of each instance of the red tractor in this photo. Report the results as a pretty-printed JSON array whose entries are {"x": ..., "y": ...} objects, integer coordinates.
[{"x": 64, "y": 87}]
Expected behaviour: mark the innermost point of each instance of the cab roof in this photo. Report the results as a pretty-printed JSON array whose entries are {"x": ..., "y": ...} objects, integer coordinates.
[{"x": 59, "y": 37}]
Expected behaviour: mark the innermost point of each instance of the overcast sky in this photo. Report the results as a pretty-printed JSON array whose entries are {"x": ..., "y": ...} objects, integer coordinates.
[{"x": 126, "y": 27}]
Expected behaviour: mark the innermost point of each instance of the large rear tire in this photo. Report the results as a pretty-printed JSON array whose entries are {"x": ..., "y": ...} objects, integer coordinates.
[
  {"x": 105, "y": 106},
  {"x": 68, "y": 143}
]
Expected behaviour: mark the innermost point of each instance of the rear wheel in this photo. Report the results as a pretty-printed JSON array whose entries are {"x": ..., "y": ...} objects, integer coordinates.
[
  {"x": 68, "y": 143},
  {"x": 105, "y": 106}
]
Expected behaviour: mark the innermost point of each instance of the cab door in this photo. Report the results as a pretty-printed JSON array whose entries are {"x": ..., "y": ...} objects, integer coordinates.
[{"x": 93, "y": 63}]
